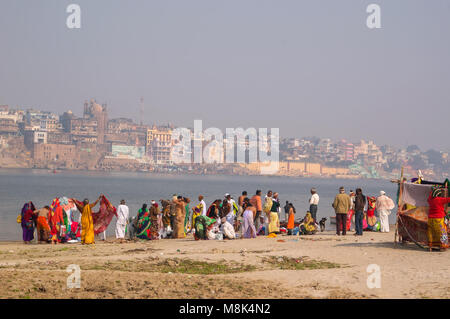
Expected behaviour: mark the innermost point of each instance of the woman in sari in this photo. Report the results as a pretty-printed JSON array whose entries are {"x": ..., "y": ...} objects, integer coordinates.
[
  {"x": 274, "y": 221},
  {"x": 248, "y": 227},
  {"x": 202, "y": 225},
  {"x": 154, "y": 221},
  {"x": 42, "y": 226},
  {"x": 371, "y": 219},
  {"x": 187, "y": 213},
  {"x": 165, "y": 215},
  {"x": 437, "y": 230},
  {"x": 308, "y": 226},
  {"x": 143, "y": 223},
  {"x": 213, "y": 210},
  {"x": 196, "y": 212},
  {"x": 87, "y": 222},
  {"x": 27, "y": 222},
  {"x": 180, "y": 212},
  {"x": 291, "y": 219}
]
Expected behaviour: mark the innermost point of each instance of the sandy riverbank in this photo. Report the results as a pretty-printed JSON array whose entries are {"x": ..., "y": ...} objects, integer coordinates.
[{"x": 319, "y": 266}]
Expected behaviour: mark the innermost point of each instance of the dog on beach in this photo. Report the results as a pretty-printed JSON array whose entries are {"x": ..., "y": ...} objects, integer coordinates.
[
  {"x": 322, "y": 224},
  {"x": 132, "y": 228}
]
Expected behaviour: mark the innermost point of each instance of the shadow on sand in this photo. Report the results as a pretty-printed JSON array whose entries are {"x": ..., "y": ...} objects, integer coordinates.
[{"x": 385, "y": 244}]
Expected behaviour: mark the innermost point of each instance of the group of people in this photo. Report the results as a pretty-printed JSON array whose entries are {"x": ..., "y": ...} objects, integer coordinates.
[
  {"x": 71, "y": 220},
  {"x": 353, "y": 205},
  {"x": 65, "y": 220}
]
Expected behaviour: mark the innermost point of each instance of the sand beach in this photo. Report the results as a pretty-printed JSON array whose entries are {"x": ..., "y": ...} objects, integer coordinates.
[{"x": 317, "y": 266}]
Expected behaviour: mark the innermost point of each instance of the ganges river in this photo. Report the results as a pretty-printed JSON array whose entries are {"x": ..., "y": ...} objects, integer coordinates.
[{"x": 18, "y": 186}]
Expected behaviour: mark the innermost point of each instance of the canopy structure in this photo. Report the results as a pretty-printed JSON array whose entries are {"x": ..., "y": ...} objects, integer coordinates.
[{"x": 412, "y": 213}]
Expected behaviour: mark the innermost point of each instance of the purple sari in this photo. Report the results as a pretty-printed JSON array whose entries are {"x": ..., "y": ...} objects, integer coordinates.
[
  {"x": 248, "y": 227},
  {"x": 28, "y": 222}
]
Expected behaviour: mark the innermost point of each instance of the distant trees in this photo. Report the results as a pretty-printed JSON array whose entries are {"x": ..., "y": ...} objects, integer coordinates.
[
  {"x": 434, "y": 157},
  {"x": 412, "y": 148}
]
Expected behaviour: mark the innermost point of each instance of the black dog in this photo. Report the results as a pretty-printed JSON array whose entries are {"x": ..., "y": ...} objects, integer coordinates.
[{"x": 322, "y": 224}]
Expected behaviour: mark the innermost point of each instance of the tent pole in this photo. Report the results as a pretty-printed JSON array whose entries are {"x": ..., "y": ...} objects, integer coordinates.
[
  {"x": 446, "y": 195},
  {"x": 400, "y": 193}
]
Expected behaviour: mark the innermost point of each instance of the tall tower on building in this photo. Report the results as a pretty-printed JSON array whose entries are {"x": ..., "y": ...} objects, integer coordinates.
[
  {"x": 86, "y": 109},
  {"x": 141, "y": 112}
]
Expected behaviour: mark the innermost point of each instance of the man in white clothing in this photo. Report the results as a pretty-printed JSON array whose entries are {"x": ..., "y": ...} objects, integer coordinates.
[
  {"x": 384, "y": 205},
  {"x": 203, "y": 205},
  {"x": 122, "y": 218},
  {"x": 231, "y": 201},
  {"x": 313, "y": 203}
]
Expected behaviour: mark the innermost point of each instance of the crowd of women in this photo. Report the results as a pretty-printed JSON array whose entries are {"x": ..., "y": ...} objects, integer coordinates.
[
  {"x": 69, "y": 220},
  {"x": 65, "y": 220}
]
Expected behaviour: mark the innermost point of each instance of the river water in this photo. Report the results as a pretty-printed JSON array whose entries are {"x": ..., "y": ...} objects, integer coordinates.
[{"x": 41, "y": 186}]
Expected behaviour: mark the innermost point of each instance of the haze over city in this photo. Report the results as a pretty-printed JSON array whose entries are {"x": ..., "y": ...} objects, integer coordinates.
[{"x": 307, "y": 68}]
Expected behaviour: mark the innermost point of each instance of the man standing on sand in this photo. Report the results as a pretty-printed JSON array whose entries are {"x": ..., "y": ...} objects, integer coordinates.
[
  {"x": 384, "y": 205},
  {"x": 241, "y": 203},
  {"x": 256, "y": 203},
  {"x": 313, "y": 203},
  {"x": 341, "y": 205},
  {"x": 360, "y": 204},
  {"x": 122, "y": 218},
  {"x": 201, "y": 205}
]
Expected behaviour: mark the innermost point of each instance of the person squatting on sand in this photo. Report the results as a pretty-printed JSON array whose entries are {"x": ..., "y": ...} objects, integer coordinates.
[{"x": 308, "y": 225}]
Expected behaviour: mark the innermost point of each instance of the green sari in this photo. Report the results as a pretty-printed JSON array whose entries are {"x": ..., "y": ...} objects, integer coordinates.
[
  {"x": 186, "y": 218},
  {"x": 143, "y": 224}
]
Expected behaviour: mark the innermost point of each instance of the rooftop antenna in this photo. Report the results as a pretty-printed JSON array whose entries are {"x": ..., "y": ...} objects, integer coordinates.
[{"x": 142, "y": 110}]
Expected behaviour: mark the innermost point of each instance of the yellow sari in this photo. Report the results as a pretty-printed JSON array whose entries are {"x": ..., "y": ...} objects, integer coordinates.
[
  {"x": 178, "y": 227},
  {"x": 87, "y": 225},
  {"x": 274, "y": 225}
]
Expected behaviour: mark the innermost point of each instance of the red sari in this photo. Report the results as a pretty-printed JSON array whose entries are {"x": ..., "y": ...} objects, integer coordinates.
[{"x": 437, "y": 232}]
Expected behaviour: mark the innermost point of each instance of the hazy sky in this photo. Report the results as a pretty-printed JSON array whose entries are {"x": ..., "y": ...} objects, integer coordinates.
[{"x": 308, "y": 67}]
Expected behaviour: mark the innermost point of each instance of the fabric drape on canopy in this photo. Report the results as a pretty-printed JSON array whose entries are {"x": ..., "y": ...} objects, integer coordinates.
[{"x": 416, "y": 194}]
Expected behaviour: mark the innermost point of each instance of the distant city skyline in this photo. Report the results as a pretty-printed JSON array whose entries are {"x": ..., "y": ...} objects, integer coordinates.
[
  {"x": 309, "y": 69},
  {"x": 165, "y": 123}
]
